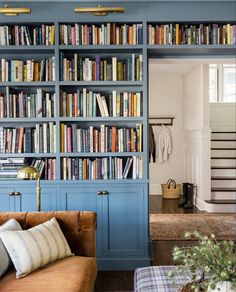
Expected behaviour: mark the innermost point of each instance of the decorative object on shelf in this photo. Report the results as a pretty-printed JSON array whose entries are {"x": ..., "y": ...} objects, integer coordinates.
[
  {"x": 99, "y": 10},
  {"x": 13, "y": 11},
  {"x": 211, "y": 263},
  {"x": 30, "y": 173},
  {"x": 171, "y": 190}
]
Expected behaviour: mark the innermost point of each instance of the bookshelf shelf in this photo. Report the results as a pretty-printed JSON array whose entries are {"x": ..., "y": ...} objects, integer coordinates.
[
  {"x": 102, "y": 48},
  {"x": 190, "y": 50},
  {"x": 103, "y": 183},
  {"x": 27, "y": 120},
  {"x": 27, "y": 49},
  {"x": 102, "y": 119},
  {"x": 28, "y": 84},
  {"x": 101, "y": 83},
  {"x": 29, "y": 155},
  {"x": 100, "y": 154}
]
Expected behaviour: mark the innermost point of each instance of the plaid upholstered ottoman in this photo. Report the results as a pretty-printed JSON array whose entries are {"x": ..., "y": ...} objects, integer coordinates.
[{"x": 155, "y": 279}]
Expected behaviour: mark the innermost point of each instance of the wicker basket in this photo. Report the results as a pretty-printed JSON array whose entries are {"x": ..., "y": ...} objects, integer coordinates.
[{"x": 171, "y": 190}]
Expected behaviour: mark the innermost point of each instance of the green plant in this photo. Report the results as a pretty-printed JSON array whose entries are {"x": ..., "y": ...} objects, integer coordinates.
[{"x": 209, "y": 262}]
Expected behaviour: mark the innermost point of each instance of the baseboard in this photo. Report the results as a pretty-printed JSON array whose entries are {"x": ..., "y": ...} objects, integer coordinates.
[
  {"x": 220, "y": 208},
  {"x": 201, "y": 204},
  {"x": 214, "y": 208},
  {"x": 155, "y": 189}
]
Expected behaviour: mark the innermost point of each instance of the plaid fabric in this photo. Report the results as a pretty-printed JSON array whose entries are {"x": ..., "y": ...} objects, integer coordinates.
[{"x": 155, "y": 279}]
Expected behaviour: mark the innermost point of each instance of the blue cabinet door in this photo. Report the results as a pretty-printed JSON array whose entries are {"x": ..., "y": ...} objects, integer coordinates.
[
  {"x": 122, "y": 222},
  {"x": 83, "y": 199},
  {"x": 26, "y": 199},
  {"x": 7, "y": 202},
  {"x": 125, "y": 227}
]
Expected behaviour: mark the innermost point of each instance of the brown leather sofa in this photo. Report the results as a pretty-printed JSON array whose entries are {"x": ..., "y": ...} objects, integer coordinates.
[{"x": 73, "y": 274}]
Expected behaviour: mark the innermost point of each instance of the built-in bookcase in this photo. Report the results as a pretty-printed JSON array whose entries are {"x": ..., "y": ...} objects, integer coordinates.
[
  {"x": 94, "y": 107},
  {"x": 95, "y": 129},
  {"x": 27, "y": 98}
]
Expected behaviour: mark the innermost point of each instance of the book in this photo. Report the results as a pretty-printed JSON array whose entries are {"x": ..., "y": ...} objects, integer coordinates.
[{"x": 127, "y": 167}]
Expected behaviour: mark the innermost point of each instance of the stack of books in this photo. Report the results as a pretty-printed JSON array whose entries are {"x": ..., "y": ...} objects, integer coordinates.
[{"x": 10, "y": 166}]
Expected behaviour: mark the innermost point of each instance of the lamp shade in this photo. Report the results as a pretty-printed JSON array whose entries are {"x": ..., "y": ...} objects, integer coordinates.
[{"x": 28, "y": 172}]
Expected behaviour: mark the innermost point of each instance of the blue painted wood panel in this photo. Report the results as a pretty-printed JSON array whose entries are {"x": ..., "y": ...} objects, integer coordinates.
[
  {"x": 136, "y": 11},
  {"x": 83, "y": 199},
  {"x": 27, "y": 200},
  {"x": 6, "y": 201},
  {"x": 124, "y": 221}
]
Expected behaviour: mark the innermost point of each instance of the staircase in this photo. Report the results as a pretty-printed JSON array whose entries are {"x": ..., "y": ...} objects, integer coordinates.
[{"x": 223, "y": 168}]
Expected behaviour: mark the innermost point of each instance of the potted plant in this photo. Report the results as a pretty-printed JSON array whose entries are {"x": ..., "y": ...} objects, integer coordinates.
[{"x": 211, "y": 264}]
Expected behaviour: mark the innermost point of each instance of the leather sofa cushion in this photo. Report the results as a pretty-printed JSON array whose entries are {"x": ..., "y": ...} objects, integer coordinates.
[{"x": 73, "y": 274}]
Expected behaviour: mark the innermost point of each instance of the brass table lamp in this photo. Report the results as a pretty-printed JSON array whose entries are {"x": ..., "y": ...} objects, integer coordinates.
[{"x": 29, "y": 173}]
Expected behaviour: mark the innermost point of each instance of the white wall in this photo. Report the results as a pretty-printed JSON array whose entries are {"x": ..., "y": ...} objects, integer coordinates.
[
  {"x": 197, "y": 133},
  {"x": 223, "y": 116},
  {"x": 166, "y": 99}
]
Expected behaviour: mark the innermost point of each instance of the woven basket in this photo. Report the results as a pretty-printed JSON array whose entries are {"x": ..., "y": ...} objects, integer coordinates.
[{"x": 171, "y": 190}]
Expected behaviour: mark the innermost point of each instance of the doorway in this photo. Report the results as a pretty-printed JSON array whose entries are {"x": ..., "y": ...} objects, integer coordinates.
[{"x": 179, "y": 88}]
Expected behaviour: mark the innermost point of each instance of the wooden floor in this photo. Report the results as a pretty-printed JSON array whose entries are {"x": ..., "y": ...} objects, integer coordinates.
[{"x": 161, "y": 250}]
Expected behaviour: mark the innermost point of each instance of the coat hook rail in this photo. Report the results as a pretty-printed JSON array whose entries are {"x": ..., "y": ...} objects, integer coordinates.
[{"x": 158, "y": 121}]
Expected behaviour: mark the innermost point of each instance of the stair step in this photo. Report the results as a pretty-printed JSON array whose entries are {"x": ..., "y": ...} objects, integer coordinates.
[
  {"x": 223, "y": 189},
  {"x": 223, "y": 132},
  {"x": 221, "y": 201},
  {"x": 226, "y": 144},
  {"x": 221, "y": 148},
  {"x": 223, "y": 195},
  {"x": 223, "y": 167},
  {"x": 225, "y": 157},
  {"x": 224, "y": 140},
  {"x": 223, "y": 178}
]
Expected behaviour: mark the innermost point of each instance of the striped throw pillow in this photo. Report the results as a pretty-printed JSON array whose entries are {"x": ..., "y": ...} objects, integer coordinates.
[
  {"x": 35, "y": 247},
  {"x": 5, "y": 260}
]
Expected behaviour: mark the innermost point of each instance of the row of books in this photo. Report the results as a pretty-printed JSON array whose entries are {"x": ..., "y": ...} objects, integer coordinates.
[
  {"x": 78, "y": 68},
  {"x": 119, "y": 34},
  {"x": 86, "y": 103},
  {"x": 10, "y": 166},
  {"x": 27, "y": 105},
  {"x": 46, "y": 168},
  {"x": 27, "y": 70},
  {"x": 101, "y": 34},
  {"x": 102, "y": 168},
  {"x": 103, "y": 139},
  {"x": 25, "y": 35},
  {"x": 191, "y": 34},
  {"x": 38, "y": 139}
]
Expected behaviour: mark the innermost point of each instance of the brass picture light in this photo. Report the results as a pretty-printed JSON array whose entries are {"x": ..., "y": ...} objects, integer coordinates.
[
  {"x": 11, "y": 11},
  {"x": 99, "y": 10}
]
